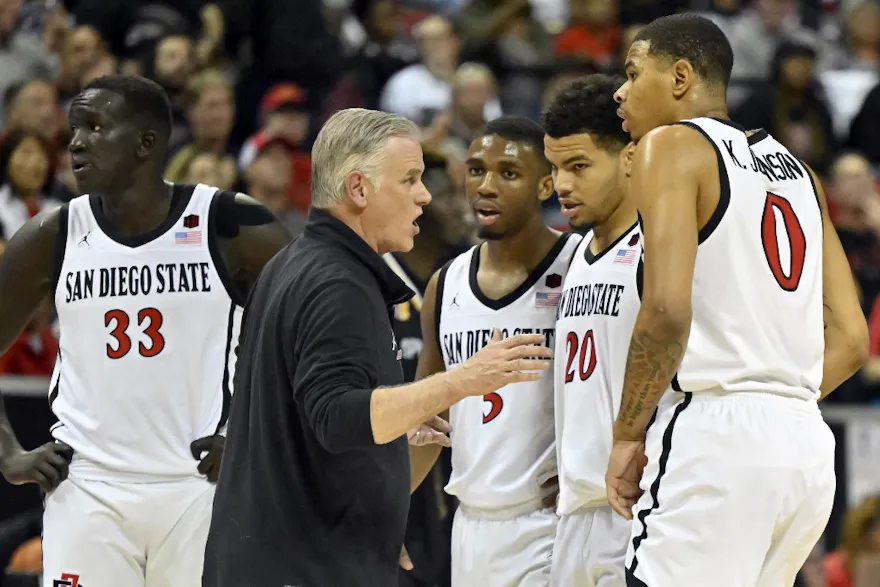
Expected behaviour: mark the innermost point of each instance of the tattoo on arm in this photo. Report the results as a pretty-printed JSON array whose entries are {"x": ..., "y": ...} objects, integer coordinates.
[{"x": 650, "y": 366}]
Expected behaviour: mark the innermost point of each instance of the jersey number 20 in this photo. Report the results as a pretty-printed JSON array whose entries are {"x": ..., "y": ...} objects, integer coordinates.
[
  {"x": 796, "y": 241},
  {"x": 149, "y": 319},
  {"x": 587, "y": 356}
]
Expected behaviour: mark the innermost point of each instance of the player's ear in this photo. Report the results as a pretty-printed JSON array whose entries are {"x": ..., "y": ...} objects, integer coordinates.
[
  {"x": 626, "y": 158},
  {"x": 357, "y": 188},
  {"x": 545, "y": 187},
  {"x": 682, "y": 77},
  {"x": 148, "y": 143}
]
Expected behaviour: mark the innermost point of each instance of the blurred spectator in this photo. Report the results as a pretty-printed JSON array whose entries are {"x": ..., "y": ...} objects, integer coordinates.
[
  {"x": 857, "y": 562},
  {"x": 594, "y": 32},
  {"x": 82, "y": 51},
  {"x": 22, "y": 56},
  {"x": 567, "y": 69},
  {"x": 33, "y": 106},
  {"x": 503, "y": 35},
  {"x": 26, "y": 172},
  {"x": 422, "y": 91},
  {"x": 173, "y": 63},
  {"x": 863, "y": 131},
  {"x": 472, "y": 88},
  {"x": 792, "y": 106},
  {"x": 209, "y": 169},
  {"x": 268, "y": 181},
  {"x": 210, "y": 112},
  {"x": 35, "y": 351}
]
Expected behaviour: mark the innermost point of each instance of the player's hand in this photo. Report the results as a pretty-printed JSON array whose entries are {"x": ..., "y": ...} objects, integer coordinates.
[
  {"x": 550, "y": 492},
  {"x": 625, "y": 468},
  {"x": 47, "y": 466},
  {"x": 434, "y": 431},
  {"x": 209, "y": 464},
  {"x": 405, "y": 562},
  {"x": 502, "y": 362}
]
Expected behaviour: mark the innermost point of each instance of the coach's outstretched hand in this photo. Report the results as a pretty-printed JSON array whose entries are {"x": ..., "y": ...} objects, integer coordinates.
[
  {"x": 47, "y": 466},
  {"x": 625, "y": 468},
  {"x": 209, "y": 465},
  {"x": 504, "y": 361}
]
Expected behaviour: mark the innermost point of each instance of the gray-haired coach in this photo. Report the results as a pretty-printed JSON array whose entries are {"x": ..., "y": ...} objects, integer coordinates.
[{"x": 315, "y": 481}]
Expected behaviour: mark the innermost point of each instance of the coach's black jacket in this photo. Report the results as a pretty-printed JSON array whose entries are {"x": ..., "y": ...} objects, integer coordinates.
[{"x": 306, "y": 498}]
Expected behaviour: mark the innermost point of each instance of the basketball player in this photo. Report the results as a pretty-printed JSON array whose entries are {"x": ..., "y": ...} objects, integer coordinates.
[
  {"x": 589, "y": 156},
  {"x": 148, "y": 279},
  {"x": 502, "y": 443},
  {"x": 739, "y": 253}
]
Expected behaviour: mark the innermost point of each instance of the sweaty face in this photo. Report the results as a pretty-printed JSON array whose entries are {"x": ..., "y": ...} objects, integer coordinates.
[
  {"x": 587, "y": 178},
  {"x": 646, "y": 98},
  {"x": 396, "y": 198},
  {"x": 503, "y": 185},
  {"x": 29, "y": 165},
  {"x": 104, "y": 142}
]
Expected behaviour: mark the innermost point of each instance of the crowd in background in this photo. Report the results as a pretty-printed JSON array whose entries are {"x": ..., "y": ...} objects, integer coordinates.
[{"x": 251, "y": 83}]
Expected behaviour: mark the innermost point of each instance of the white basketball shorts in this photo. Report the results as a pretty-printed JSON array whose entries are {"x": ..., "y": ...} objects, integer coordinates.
[
  {"x": 590, "y": 549},
  {"x": 103, "y": 534},
  {"x": 737, "y": 490},
  {"x": 511, "y": 552}
]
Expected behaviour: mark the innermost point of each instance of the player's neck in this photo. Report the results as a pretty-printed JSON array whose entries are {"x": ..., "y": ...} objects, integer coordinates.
[
  {"x": 526, "y": 248},
  {"x": 139, "y": 208},
  {"x": 620, "y": 221},
  {"x": 707, "y": 105}
]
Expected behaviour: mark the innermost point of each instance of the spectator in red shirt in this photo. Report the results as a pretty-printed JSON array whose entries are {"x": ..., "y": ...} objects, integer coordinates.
[
  {"x": 35, "y": 350},
  {"x": 857, "y": 562},
  {"x": 286, "y": 117},
  {"x": 594, "y": 32}
]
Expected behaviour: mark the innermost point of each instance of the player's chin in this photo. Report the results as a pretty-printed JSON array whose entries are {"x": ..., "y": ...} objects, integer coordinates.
[
  {"x": 488, "y": 234},
  {"x": 582, "y": 221}
]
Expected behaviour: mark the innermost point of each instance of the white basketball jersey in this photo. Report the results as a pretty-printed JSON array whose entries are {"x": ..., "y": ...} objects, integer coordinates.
[
  {"x": 148, "y": 333},
  {"x": 503, "y": 442},
  {"x": 595, "y": 319},
  {"x": 757, "y": 290}
]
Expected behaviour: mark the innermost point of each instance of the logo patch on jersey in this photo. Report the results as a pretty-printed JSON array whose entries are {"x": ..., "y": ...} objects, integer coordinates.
[
  {"x": 191, "y": 221},
  {"x": 625, "y": 257},
  {"x": 190, "y": 237},
  {"x": 67, "y": 580},
  {"x": 84, "y": 241},
  {"x": 553, "y": 280},
  {"x": 454, "y": 301},
  {"x": 633, "y": 241},
  {"x": 546, "y": 299}
]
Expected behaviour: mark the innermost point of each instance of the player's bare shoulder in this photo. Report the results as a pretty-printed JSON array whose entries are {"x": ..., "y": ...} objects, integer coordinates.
[
  {"x": 31, "y": 252},
  {"x": 682, "y": 144}
]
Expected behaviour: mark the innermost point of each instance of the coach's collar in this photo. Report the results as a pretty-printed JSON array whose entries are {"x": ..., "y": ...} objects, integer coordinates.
[{"x": 325, "y": 226}]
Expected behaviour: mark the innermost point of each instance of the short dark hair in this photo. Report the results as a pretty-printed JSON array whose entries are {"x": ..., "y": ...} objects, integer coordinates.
[
  {"x": 587, "y": 105},
  {"x": 144, "y": 99},
  {"x": 519, "y": 129},
  {"x": 695, "y": 39}
]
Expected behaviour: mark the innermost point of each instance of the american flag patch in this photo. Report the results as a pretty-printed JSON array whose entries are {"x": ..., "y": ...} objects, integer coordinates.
[
  {"x": 190, "y": 237},
  {"x": 545, "y": 299},
  {"x": 627, "y": 257}
]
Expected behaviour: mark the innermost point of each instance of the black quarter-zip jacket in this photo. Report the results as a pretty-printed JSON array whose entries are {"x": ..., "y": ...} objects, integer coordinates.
[{"x": 306, "y": 498}]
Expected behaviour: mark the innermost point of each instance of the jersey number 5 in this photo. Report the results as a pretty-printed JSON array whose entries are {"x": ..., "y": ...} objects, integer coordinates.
[
  {"x": 150, "y": 319},
  {"x": 796, "y": 241},
  {"x": 586, "y": 362}
]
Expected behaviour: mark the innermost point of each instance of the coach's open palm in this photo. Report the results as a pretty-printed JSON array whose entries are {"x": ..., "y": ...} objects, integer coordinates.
[
  {"x": 47, "y": 466},
  {"x": 209, "y": 465},
  {"x": 504, "y": 361},
  {"x": 625, "y": 468}
]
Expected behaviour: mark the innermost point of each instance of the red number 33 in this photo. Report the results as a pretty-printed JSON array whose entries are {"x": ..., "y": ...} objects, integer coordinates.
[{"x": 150, "y": 319}]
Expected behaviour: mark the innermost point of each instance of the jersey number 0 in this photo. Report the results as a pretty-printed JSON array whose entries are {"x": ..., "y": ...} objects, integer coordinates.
[
  {"x": 149, "y": 319},
  {"x": 796, "y": 241}
]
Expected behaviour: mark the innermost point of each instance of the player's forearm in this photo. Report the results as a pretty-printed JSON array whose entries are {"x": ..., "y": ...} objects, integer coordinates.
[
  {"x": 395, "y": 410},
  {"x": 421, "y": 461},
  {"x": 655, "y": 351},
  {"x": 844, "y": 355}
]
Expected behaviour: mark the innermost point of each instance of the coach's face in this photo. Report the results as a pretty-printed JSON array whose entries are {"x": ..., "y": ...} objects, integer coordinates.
[
  {"x": 648, "y": 97},
  {"x": 587, "y": 178},
  {"x": 396, "y": 197}
]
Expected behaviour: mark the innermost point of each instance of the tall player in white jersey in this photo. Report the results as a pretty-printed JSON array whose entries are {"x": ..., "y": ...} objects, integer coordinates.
[
  {"x": 739, "y": 253},
  {"x": 148, "y": 279},
  {"x": 590, "y": 155},
  {"x": 502, "y": 443}
]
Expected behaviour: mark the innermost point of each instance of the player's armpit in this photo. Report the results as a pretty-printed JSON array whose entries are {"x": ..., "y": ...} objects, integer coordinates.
[
  {"x": 670, "y": 167},
  {"x": 27, "y": 271},
  {"x": 847, "y": 343},
  {"x": 250, "y": 235}
]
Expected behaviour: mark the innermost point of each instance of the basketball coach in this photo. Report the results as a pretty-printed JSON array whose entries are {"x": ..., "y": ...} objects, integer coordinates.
[{"x": 314, "y": 487}]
